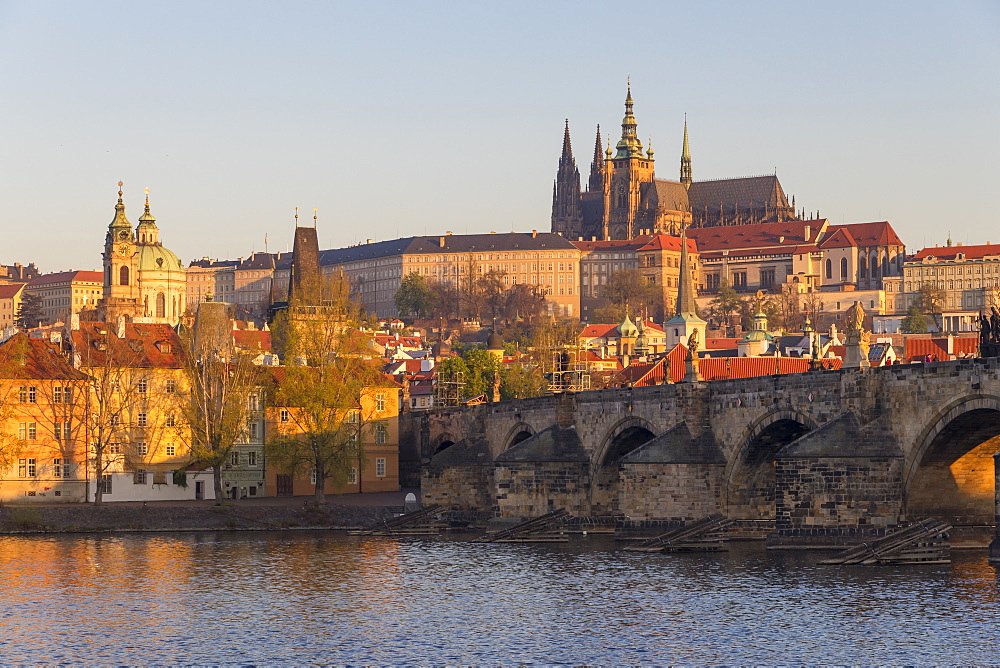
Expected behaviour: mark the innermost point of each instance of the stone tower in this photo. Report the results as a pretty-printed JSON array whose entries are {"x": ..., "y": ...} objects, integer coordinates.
[
  {"x": 567, "y": 216},
  {"x": 305, "y": 277},
  {"x": 625, "y": 172},
  {"x": 121, "y": 268},
  {"x": 686, "y": 158}
]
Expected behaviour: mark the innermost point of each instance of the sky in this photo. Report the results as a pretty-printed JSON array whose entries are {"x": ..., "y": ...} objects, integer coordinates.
[{"x": 410, "y": 118}]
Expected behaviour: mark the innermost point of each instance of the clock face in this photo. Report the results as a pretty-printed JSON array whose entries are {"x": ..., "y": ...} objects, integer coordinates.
[
  {"x": 123, "y": 234},
  {"x": 123, "y": 249}
]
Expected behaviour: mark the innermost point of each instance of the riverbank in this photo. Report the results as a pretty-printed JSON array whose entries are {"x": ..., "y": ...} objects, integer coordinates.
[{"x": 347, "y": 511}]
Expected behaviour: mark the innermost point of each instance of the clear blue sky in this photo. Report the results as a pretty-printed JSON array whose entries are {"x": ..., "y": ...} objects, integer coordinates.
[{"x": 422, "y": 117}]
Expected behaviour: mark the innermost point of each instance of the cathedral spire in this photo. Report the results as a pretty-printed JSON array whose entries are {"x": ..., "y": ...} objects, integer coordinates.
[
  {"x": 566, "y": 208},
  {"x": 596, "y": 183},
  {"x": 629, "y": 145},
  {"x": 686, "y": 157},
  {"x": 567, "y": 152},
  {"x": 685, "y": 288}
]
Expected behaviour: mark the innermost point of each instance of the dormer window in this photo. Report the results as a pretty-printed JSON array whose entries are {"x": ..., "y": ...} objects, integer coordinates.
[{"x": 163, "y": 346}]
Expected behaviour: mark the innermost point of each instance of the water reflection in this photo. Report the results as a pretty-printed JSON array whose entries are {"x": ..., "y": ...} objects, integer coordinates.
[{"x": 293, "y": 598}]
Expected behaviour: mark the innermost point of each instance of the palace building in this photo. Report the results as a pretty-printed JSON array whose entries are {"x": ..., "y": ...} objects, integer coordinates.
[
  {"x": 143, "y": 281},
  {"x": 624, "y": 199}
]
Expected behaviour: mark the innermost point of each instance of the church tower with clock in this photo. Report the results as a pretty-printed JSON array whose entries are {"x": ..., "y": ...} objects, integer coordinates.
[{"x": 143, "y": 281}]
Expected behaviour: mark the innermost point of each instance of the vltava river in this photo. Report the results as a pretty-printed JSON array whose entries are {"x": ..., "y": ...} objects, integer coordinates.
[{"x": 294, "y": 598}]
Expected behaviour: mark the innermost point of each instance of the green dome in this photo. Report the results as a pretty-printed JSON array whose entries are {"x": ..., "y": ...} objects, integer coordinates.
[
  {"x": 158, "y": 258},
  {"x": 627, "y": 329}
]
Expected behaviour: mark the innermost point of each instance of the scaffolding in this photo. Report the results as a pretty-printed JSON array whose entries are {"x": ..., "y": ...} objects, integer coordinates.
[
  {"x": 449, "y": 388},
  {"x": 565, "y": 375}
]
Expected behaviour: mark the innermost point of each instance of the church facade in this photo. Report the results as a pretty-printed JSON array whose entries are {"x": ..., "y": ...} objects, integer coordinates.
[
  {"x": 624, "y": 199},
  {"x": 143, "y": 280}
]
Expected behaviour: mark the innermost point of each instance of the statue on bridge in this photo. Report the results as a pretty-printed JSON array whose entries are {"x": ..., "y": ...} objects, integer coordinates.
[
  {"x": 857, "y": 338},
  {"x": 989, "y": 333}
]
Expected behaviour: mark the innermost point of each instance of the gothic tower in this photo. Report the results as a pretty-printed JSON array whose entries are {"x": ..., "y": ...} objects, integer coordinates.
[
  {"x": 686, "y": 158},
  {"x": 567, "y": 215},
  {"x": 121, "y": 264},
  {"x": 624, "y": 174},
  {"x": 596, "y": 183}
]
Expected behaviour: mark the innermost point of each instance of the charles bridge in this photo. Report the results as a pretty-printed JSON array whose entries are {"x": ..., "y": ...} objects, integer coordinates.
[{"x": 818, "y": 457}]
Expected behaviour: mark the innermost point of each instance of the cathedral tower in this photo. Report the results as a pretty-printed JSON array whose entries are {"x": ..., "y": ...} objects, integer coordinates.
[
  {"x": 567, "y": 216},
  {"x": 624, "y": 175},
  {"x": 686, "y": 158}
]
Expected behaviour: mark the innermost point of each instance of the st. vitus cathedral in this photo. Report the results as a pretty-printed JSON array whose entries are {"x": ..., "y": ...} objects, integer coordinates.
[{"x": 624, "y": 198}]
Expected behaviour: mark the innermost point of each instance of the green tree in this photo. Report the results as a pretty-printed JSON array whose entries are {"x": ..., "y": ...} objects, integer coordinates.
[
  {"x": 522, "y": 382},
  {"x": 914, "y": 322},
  {"x": 630, "y": 290},
  {"x": 333, "y": 391},
  {"x": 481, "y": 370},
  {"x": 29, "y": 312},
  {"x": 930, "y": 299},
  {"x": 726, "y": 304},
  {"x": 414, "y": 297}
]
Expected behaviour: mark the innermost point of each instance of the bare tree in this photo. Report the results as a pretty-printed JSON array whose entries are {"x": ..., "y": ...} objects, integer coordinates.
[
  {"x": 331, "y": 392},
  {"x": 221, "y": 387}
]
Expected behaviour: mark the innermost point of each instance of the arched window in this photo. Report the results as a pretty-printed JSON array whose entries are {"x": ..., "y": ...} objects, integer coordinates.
[
  {"x": 843, "y": 268},
  {"x": 885, "y": 265},
  {"x": 161, "y": 305},
  {"x": 862, "y": 268},
  {"x": 123, "y": 275},
  {"x": 829, "y": 268}
]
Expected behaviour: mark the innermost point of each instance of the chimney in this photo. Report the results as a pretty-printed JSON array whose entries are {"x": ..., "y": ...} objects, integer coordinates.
[
  {"x": 808, "y": 232},
  {"x": 534, "y": 233},
  {"x": 441, "y": 241},
  {"x": 121, "y": 327}
]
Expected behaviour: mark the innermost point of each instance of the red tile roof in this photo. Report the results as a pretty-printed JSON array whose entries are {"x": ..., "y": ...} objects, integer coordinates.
[
  {"x": 951, "y": 252},
  {"x": 762, "y": 236},
  {"x": 668, "y": 242},
  {"x": 145, "y": 345},
  {"x": 620, "y": 244},
  {"x": 25, "y": 357},
  {"x": 252, "y": 339},
  {"x": 10, "y": 290},
  {"x": 924, "y": 347},
  {"x": 66, "y": 276},
  {"x": 861, "y": 234}
]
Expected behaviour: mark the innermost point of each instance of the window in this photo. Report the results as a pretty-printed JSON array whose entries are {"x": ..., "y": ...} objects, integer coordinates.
[
  {"x": 171, "y": 449},
  {"x": 139, "y": 478},
  {"x": 312, "y": 477},
  {"x": 171, "y": 421},
  {"x": 252, "y": 458},
  {"x": 766, "y": 278},
  {"x": 142, "y": 385},
  {"x": 352, "y": 478},
  {"x": 739, "y": 279},
  {"x": 27, "y": 431},
  {"x": 171, "y": 385},
  {"x": 843, "y": 268},
  {"x": 60, "y": 468},
  {"x": 235, "y": 459},
  {"x": 253, "y": 401},
  {"x": 116, "y": 420},
  {"x": 141, "y": 420},
  {"x": 353, "y": 417},
  {"x": 27, "y": 394},
  {"x": 105, "y": 484},
  {"x": 141, "y": 448},
  {"x": 284, "y": 415},
  {"x": 712, "y": 281},
  {"x": 829, "y": 268},
  {"x": 252, "y": 430},
  {"x": 57, "y": 395},
  {"x": 61, "y": 431},
  {"x": 380, "y": 402},
  {"x": 26, "y": 468},
  {"x": 381, "y": 433},
  {"x": 380, "y": 467},
  {"x": 115, "y": 449}
]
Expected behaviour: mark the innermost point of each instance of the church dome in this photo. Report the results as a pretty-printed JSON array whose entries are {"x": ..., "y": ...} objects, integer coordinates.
[
  {"x": 627, "y": 330},
  {"x": 494, "y": 342},
  {"x": 158, "y": 258}
]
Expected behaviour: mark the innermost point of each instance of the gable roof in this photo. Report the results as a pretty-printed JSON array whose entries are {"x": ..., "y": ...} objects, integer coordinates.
[
  {"x": 742, "y": 191},
  {"x": 786, "y": 237},
  {"x": 22, "y": 357},
  {"x": 951, "y": 252},
  {"x": 67, "y": 276},
  {"x": 863, "y": 234},
  {"x": 10, "y": 290},
  {"x": 145, "y": 345}
]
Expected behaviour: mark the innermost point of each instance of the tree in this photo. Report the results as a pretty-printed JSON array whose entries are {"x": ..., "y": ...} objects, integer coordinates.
[
  {"x": 446, "y": 300},
  {"x": 333, "y": 391},
  {"x": 29, "y": 312},
  {"x": 631, "y": 290},
  {"x": 523, "y": 302},
  {"x": 522, "y": 382},
  {"x": 414, "y": 297},
  {"x": 222, "y": 390},
  {"x": 930, "y": 299},
  {"x": 914, "y": 322},
  {"x": 726, "y": 304}
]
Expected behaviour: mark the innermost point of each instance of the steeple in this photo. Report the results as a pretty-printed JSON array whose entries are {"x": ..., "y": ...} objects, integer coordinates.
[
  {"x": 629, "y": 145},
  {"x": 120, "y": 222},
  {"x": 567, "y": 216},
  {"x": 686, "y": 157},
  {"x": 147, "y": 232},
  {"x": 685, "y": 290},
  {"x": 596, "y": 183}
]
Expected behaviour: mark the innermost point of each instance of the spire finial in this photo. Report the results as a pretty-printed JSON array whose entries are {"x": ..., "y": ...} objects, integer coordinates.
[
  {"x": 314, "y": 217},
  {"x": 296, "y": 216},
  {"x": 686, "y": 173},
  {"x": 120, "y": 184},
  {"x": 147, "y": 199}
]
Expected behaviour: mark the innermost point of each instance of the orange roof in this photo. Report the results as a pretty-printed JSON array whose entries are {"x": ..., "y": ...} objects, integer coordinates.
[
  {"x": 145, "y": 345},
  {"x": 719, "y": 368},
  {"x": 939, "y": 347},
  {"x": 252, "y": 339},
  {"x": 617, "y": 244},
  {"x": 951, "y": 252},
  {"x": 25, "y": 357},
  {"x": 861, "y": 234},
  {"x": 66, "y": 276},
  {"x": 10, "y": 290},
  {"x": 668, "y": 242},
  {"x": 718, "y": 343},
  {"x": 782, "y": 236}
]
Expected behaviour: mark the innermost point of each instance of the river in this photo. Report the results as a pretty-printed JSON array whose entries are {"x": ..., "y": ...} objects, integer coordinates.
[{"x": 324, "y": 597}]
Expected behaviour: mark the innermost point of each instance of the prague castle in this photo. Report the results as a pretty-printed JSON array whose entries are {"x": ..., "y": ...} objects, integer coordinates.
[
  {"x": 143, "y": 281},
  {"x": 624, "y": 199}
]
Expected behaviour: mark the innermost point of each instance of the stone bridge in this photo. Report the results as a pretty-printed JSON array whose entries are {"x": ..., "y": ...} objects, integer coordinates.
[{"x": 821, "y": 454}]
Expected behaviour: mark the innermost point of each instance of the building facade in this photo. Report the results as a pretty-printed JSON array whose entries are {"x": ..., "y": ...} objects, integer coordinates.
[{"x": 66, "y": 293}]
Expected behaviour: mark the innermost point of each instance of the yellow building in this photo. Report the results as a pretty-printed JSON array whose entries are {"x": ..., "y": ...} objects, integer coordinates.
[
  {"x": 10, "y": 303},
  {"x": 42, "y": 424},
  {"x": 66, "y": 293}
]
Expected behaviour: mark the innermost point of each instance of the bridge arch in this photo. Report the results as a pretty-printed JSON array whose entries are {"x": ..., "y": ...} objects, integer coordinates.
[
  {"x": 750, "y": 471},
  {"x": 442, "y": 442},
  {"x": 519, "y": 432},
  {"x": 624, "y": 437},
  {"x": 950, "y": 472}
]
